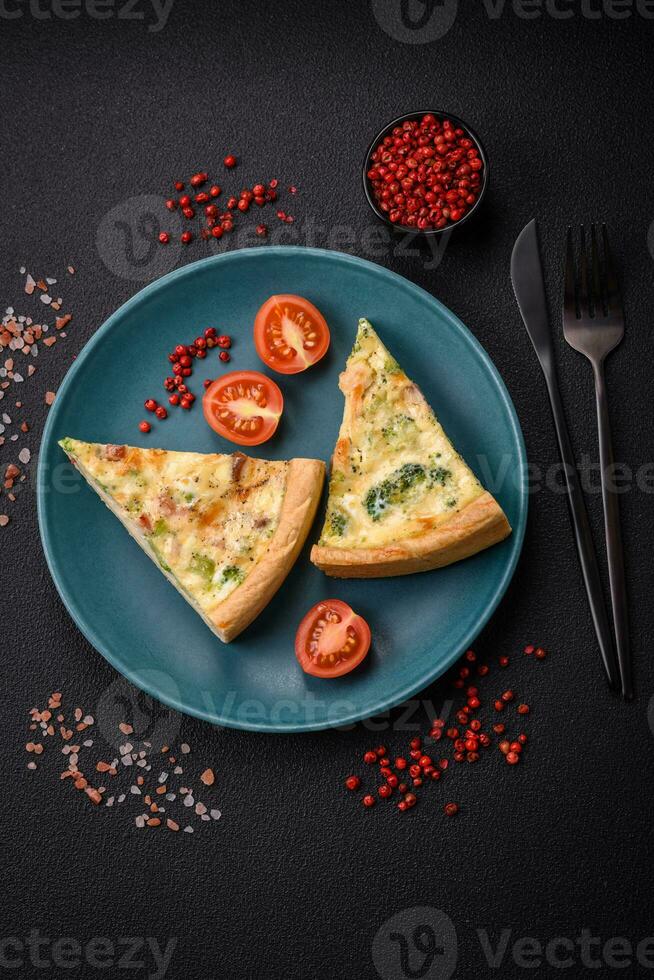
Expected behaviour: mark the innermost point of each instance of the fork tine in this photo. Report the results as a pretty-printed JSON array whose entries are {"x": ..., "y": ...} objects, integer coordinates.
[
  {"x": 613, "y": 297},
  {"x": 598, "y": 298},
  {"x": 570, "y": 294},
  {"x": 584, "y": 292}
]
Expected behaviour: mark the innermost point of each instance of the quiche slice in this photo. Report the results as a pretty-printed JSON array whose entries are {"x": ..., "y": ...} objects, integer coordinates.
[
  {"x": 401, "y": 499},
  {"x": 224, "y": 529}
]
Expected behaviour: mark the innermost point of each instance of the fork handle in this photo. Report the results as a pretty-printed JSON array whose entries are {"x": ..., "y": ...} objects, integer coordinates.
[
  {"x": 583, "y": 535},
  {"x": 614, "y": 549}
]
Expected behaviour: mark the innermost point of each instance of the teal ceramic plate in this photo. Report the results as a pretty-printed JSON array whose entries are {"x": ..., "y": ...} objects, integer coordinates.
[{"x": 122, "y": 603}]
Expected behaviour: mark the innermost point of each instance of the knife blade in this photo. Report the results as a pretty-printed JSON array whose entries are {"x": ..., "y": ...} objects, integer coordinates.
[{"x": 529, "y": 288}]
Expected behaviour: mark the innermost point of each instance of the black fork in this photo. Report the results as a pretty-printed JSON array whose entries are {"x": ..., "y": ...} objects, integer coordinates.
[{"x": 593, "y": 324}]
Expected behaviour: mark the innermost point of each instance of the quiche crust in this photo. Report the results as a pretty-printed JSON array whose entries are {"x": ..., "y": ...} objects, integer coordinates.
[{"x": 479, "y": 525}]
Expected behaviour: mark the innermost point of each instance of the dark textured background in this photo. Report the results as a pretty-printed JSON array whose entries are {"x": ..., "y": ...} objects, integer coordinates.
[{"x": 296, "y": 879}]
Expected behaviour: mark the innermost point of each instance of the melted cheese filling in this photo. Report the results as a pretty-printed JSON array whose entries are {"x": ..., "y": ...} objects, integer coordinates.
[
  {"x": 207, "y": 520},
  {"x": 395, "y": 474}
]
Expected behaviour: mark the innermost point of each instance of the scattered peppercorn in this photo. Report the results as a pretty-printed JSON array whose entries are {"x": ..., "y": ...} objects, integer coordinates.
[{"x": 468, "y": 742}]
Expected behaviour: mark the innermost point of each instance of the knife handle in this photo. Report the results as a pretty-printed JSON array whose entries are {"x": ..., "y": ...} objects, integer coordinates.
[{"x": 583, "y": 537}]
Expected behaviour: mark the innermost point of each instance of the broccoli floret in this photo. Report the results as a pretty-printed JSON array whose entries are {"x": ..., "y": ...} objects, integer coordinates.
[
  {"x": 438, "y": 475},
  {"x": 396, "y": 427},
  {"x": 393, "y": 489},
  {"x": 204, "y": 566},
  {"x": 232, "y": 573},
  {"x": 160, "y": 527},
  {"x": 409, "y": 474},
  {"x": 337, "y": 523}
]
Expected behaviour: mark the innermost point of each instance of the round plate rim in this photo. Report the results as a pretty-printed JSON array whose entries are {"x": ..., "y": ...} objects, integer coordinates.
[{"x": 386, "y": 703}]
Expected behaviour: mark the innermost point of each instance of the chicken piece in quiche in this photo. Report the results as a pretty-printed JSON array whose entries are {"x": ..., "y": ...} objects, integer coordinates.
[
  {"x": 224, "y": 529},
  {"x": 401, "y": 499}
]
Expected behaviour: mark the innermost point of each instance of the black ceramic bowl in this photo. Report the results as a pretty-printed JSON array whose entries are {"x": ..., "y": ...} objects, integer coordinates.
[{"x": 387, "y": 130}]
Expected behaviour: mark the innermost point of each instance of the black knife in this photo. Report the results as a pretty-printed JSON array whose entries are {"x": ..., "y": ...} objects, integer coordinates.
[{"x": 529, "y": 288}]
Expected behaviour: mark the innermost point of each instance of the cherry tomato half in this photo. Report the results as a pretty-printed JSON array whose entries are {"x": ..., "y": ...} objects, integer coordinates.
[
  {"x": 290, "y": 334},
  {"x": 244, "y": 407},
  {"x": 331, "y": 639}
]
